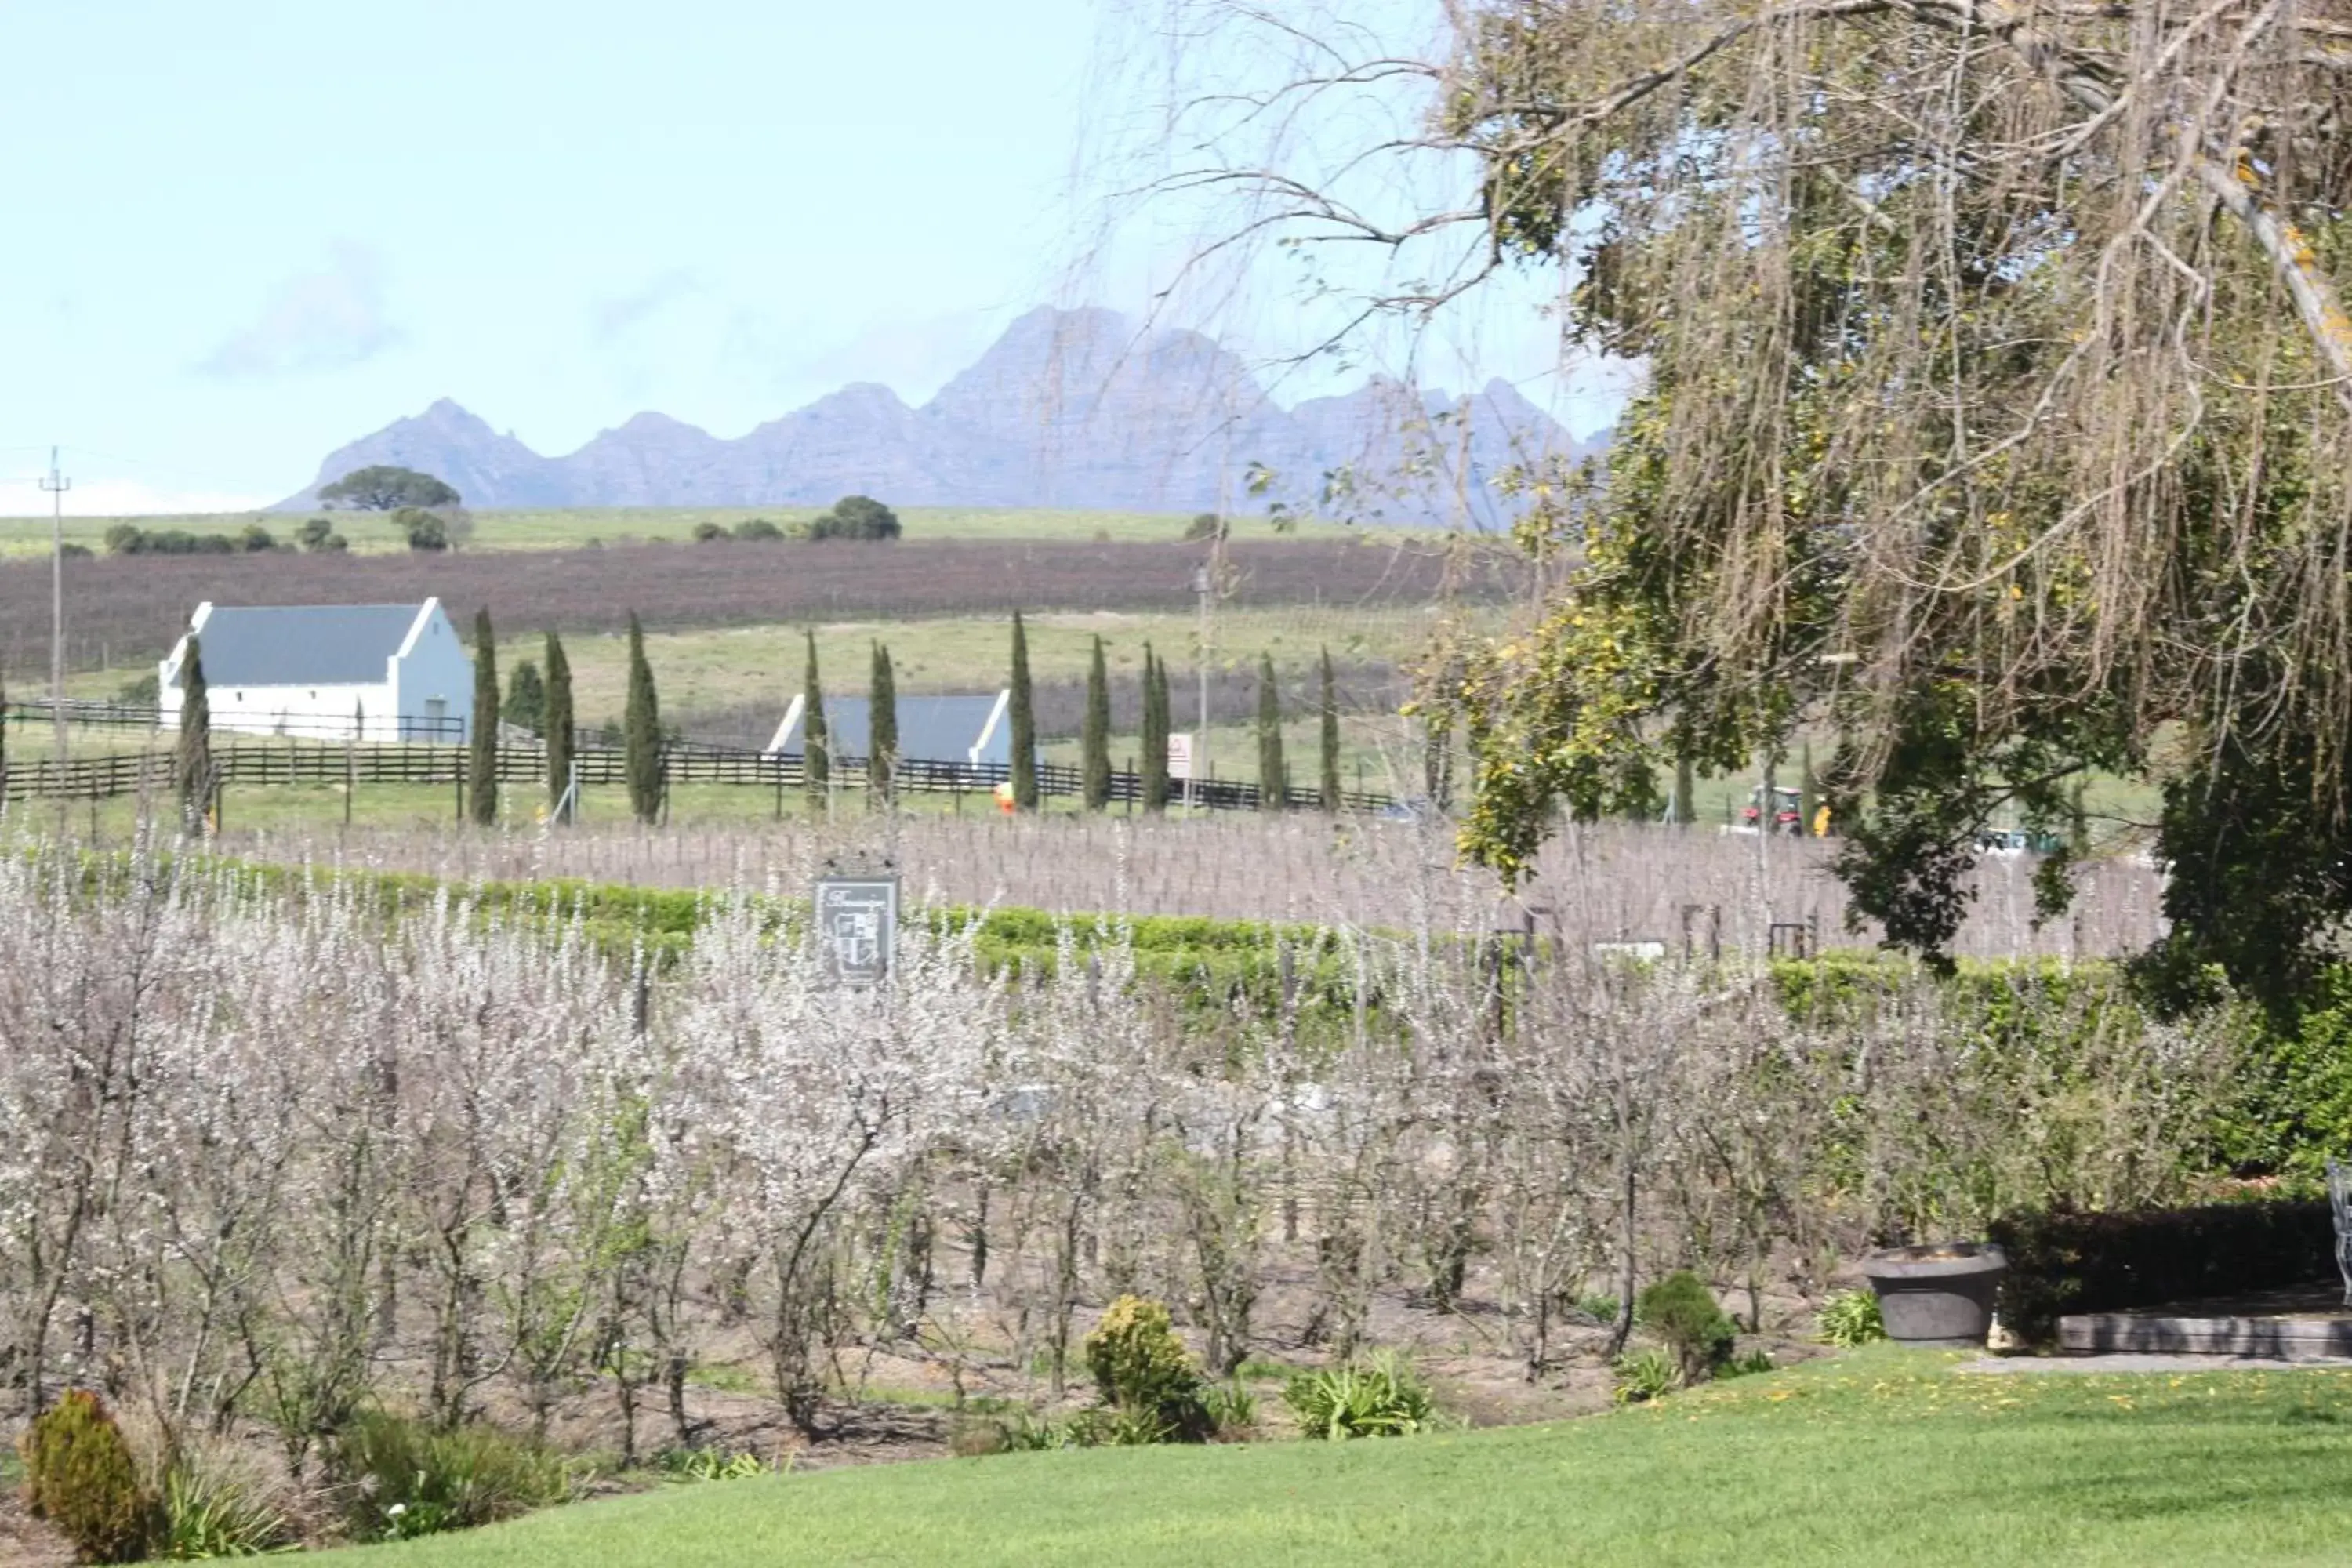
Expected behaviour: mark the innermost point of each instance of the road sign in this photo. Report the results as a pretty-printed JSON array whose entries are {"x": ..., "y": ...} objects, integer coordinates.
[
  {"x": 1179, "y": 756},
  {"x": 857, "y": 926}
]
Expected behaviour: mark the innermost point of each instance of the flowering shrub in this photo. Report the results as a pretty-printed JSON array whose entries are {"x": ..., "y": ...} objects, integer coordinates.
[{"x": 323, "y": 1149}]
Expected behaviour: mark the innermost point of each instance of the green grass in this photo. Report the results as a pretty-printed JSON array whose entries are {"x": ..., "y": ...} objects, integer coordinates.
[
  {"x": 1883, "y": 1457},
  {"x": 719, "y": 668},
  {"x": 552, "y": 528}
]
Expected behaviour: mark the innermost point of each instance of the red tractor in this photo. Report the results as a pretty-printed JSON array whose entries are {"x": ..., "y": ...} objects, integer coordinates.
[{"x": 1788, "y": 811}]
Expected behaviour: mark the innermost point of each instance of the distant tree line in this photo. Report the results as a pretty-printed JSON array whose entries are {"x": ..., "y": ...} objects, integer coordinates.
[{"x": 852, "y": 517}]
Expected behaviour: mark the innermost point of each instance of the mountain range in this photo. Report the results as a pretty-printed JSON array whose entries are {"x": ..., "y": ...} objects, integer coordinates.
[{"x": 1068, "y": 409}]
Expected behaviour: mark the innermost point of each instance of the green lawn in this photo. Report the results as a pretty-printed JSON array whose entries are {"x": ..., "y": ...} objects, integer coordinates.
[
  {"x": 551, "y": 529},
  {"x": 700, "y": 670},
  {"x": 1882, "y": 1457}
]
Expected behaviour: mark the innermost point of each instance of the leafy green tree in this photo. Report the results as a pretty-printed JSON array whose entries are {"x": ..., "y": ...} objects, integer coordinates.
[
  {"x": 1207, "y": 525},
  {"x": 2034, "y": 468},
  {"x": 426, "y": 531},
  {"x": 1153, "y": 781},
  {"x": 756, "y": 530},
  {"x": 482, "y": 769},
  {"x": 882, "y": 731},
  {"x": 385, "y": 486},
  {"x": 641, "y": 739},
  {"x": 816, "y": 751},
  {"x": 525, "y": 703},
  {"x": 192, "y": 766},
  {"x": 1094, "y": 735},
  {"x": 256, "y": 540},
  {"x": 557, "y": 721},
  {"x": 1273, "y": 776},
  {"x": 1024, "y": 717},
  {"x": 318, "y": 535},
  {"x": 1332, "y": 794},
  {"x": 855, "y": 517}
]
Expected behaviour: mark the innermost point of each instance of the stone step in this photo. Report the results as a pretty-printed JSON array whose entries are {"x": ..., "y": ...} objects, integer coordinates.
[{"x": 2299, "y": 1337}]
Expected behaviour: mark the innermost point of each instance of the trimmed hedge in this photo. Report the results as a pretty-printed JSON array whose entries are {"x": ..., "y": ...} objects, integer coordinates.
[{"x": 2067, "y": 1263}]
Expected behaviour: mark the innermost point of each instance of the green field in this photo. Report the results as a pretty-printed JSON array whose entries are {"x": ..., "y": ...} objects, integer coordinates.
[
  {"x": 700, "y": 670},
  {"x": 1882, "y": 1457},
  {"x": 553, "y": 529}
]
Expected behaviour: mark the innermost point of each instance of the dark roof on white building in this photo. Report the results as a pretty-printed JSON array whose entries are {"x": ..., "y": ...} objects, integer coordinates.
[
  {"x": 307, "y": 645},
  {"x": 930, "y": 729}
]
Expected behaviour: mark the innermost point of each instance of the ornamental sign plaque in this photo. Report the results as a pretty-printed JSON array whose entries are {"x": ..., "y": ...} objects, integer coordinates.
[{"x": 857, "y": 926}]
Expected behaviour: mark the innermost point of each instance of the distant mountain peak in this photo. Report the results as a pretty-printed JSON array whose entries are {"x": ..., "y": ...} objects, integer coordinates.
[{"x": 1068, "y": 407}]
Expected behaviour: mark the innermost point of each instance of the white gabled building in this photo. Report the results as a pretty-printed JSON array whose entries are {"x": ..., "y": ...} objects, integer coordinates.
[{"x": 374, "y": 672}]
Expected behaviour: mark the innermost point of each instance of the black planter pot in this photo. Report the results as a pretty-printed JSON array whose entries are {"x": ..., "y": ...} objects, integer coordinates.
[{"x": 1938, "y": 1296}]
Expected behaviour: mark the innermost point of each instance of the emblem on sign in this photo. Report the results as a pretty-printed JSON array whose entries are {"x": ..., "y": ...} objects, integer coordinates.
[{"x": 856, "y": 925}]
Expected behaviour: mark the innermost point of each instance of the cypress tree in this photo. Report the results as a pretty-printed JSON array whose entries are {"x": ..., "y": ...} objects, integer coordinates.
[
  {"x": 1096, "y": 736},
  {"x": 816, "y": 751},
  {"x": 1154, "y": 780},
  {"x": 1330, "y": 738},
  {"x": 192, "y": 769},
  {"x": 525, "y": 703},
  {"x": 482, "y": 755},
  {"x": 1024, "y": 724},
  {"x": 882, "y": 731},
  {"x": 556, "y": 720},
  {"x": 1273, "y": 781},
  {"x": 641, "y": 731},
  {"x": 1686, "y": 792}
]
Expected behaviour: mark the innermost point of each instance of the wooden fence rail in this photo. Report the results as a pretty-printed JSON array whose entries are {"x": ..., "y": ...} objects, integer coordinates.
[{"x": 25, "y": 774}]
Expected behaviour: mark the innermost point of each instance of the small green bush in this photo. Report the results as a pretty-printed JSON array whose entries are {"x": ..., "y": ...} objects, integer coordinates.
[
  {"x": 404, "y": 1479},
  {"x": 81, "y": 1476},
  {"x": 1142, "y": 1373},
  {"x": 709, "y": 532},
  {"x": 1850, "y": 1317},
  {"x": 758, "y": 529},
  {"x": 1599, "y": 1307},
  {"x": 1680, "y": 1310},
  {"x": 1651, "y": 1373},
  {"x": 1379, "y": 1397},
  {"x": 1232, "y": 1411},
  {"x": 210, "y": 1511},
  {"x": 1746, "y": 1365},
  {"x": 708, "y": 1464}
]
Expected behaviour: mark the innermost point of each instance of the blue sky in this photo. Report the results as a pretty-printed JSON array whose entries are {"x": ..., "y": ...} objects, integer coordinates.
[{"x": 246, "y": 232}]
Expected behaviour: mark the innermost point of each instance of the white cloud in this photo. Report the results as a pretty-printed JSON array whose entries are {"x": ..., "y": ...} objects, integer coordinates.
[{"x": 314, "y": 322}]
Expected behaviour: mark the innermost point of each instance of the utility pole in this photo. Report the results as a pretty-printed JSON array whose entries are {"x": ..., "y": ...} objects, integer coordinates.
[
  {"x": 57, "y": 484},
  {"x": 1204, "y": 584}
]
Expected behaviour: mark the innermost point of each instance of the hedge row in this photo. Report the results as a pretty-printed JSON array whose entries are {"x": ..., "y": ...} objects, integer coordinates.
[{"x": 2070, "y": 1263}]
